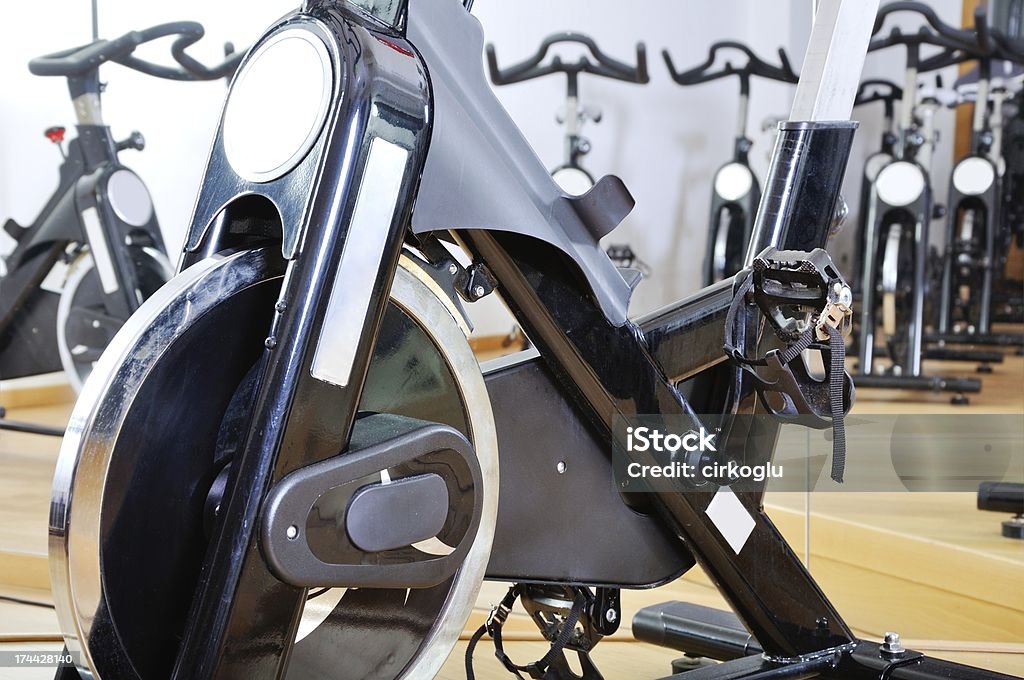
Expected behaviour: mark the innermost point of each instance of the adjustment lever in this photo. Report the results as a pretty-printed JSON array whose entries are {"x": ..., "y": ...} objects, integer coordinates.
[{"x": 134, "y": 141}]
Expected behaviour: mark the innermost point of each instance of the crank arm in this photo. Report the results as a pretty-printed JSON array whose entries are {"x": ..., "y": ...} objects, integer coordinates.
[{"x": 371, "y": 537}]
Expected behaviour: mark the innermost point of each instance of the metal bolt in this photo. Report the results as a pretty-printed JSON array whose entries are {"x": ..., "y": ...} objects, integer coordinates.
[
  {"x": 270, "y": 343},
  {"x": 281, "y": 306},
  {"x": 845, "y": 296},
  {"x": 95, "y": 323},
  {"x": 292, "y": 532},
  {"x": 478, "y": 291},
  {"x": 892, "y": 646},
  {"x": 453, "y": 269},
  {"x": 610, "y": 616},
  {"x": 560, "y": 467}
]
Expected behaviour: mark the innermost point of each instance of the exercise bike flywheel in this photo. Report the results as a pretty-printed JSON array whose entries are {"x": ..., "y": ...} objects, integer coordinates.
[
  {"x": 158, "y": 421},
  {"x": 83, "y": 327}
]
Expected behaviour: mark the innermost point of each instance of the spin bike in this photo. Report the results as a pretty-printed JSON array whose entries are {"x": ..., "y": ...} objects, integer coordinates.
[
  {"x": 571, "y": 176},
  {"x": 735, "y": 191},
  {"x": 871, "y": 91},
  {"x": 899, "y": 210},
  {"x": 95, "y": 252},
  {"x": 317, "y": 493},
  {"x": 976, "y": 245}
]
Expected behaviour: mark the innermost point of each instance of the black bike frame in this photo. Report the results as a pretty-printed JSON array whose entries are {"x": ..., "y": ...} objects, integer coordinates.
[
  {"x": 82, "y": 212},
  {"x": 343, "y": 214}
]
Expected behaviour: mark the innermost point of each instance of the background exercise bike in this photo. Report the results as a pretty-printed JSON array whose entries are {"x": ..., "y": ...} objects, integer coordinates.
[
  {"x": 571, "y": 175},
  {"x": 889, "y": 93},
  {"x": 324, "y": 461},
  {"x": 976, "y": 240},
  {"x": 895, "y": 262},
  {"x": 95, "y": 252},
  {"x": 735, "y": 190}
]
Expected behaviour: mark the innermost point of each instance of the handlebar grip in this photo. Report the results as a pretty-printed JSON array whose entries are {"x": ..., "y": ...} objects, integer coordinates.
[
  {"x": 80, "y": 60},
  {"x": 754, "y": 66},
  {"x": 981, "y": 27},
  {"x": 642, "y": 74},
  {"x": 602, "y": 64}
]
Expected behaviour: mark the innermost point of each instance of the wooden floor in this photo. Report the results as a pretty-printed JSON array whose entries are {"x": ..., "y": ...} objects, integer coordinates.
[{"x": 926, "y": 564}]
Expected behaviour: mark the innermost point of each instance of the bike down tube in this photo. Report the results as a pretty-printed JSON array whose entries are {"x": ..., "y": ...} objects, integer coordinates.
[{"x": 367, "y": 155}]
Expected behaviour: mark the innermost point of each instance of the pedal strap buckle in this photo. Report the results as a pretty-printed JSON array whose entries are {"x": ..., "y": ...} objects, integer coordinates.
[{"x": 809, "y": 306}]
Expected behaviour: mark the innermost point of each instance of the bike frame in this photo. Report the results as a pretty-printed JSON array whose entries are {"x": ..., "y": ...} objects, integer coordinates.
[
  {"x": 896, "y": 219},
  {"x": 982, "y": 199},
  {"x": 412, "y": 121},
  {"x": 98, "y": 203}
]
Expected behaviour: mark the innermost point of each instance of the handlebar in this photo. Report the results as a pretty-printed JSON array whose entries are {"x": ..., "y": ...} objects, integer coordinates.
[
  {"x": 80, "y": 61},
  {"x": 889, "y": 92},
  {"x": 958, "y": 45},
  {"x": 602, "y": 64},
  {"x": 755, "y": 66}
]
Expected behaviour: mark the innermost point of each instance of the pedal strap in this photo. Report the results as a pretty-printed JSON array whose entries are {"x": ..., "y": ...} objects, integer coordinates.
[
  {"x": 493, "y": 626},
  {"x": 836, "y": 373}
]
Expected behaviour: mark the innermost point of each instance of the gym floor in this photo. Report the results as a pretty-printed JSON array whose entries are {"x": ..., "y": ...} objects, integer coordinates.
[{"x": 929, "y": 565}]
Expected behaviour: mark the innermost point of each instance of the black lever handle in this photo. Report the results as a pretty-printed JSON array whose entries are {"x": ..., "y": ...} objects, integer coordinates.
[
  {"x": 134, "y": 141},
  {"x": 754, "y": 66},
  {"x": 597, "y": 63},
  {"x": 878, "y": 90}
]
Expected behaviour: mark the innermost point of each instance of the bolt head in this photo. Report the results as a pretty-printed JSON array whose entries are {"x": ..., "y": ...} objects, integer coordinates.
[
  {"x": 560, "y": 467},
  {"x": 891, "y": 646},
  {"x": 453, "y": 269},
  {"x": 610, "y": 616},
  {"x": 292, "y": 532},
  {"x": 478, "y": 291}
]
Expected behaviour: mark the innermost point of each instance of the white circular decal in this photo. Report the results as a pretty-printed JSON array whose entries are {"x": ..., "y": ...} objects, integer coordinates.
[
  {"x": 874, "y": 165},
  {"x": 277, "y": 105},
  {"x": 573, "y": 181},
  {"x": 973, "y": 176},
  {"x": 129, "y": 198},
  {"x": 900, "y": 183},
  {"x": 733, "y": 181}
]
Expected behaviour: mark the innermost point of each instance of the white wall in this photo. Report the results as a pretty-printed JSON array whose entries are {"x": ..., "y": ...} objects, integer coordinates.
[{"x": 663, "y": 140}]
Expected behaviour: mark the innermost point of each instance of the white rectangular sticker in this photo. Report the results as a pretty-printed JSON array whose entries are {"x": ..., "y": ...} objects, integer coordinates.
[
  {"x": 100, "y": 250},
  {"x": 360, "y": 261},
  {"x": 730, "y": 518}
]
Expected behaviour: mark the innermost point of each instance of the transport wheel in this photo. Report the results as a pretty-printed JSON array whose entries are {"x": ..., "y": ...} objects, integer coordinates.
[
  {"x": 84, "y": 328},
  {"x": 162, "y": 416}
]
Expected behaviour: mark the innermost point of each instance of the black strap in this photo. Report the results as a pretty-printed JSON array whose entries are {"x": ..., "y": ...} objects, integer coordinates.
[
  {"x": 836, "y": 379},
  {"x": 837, "y": 369},
  {"x": 494, "y": 625},
  {"x": 738, "y": 300}
]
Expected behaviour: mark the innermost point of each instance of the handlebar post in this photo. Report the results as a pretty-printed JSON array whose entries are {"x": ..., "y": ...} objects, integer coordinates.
[
  {"x": 744, "y": 113},
  {"x": 981, "y": 100},
  {"x": 908, "y": 101}
]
